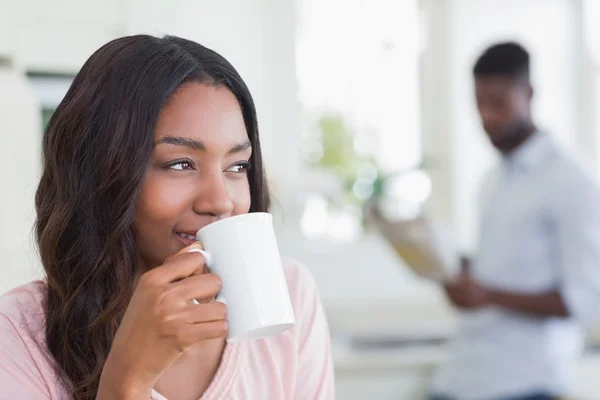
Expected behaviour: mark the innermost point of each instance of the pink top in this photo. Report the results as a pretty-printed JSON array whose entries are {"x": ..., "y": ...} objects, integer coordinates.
[{"x": 295, "y": 364}]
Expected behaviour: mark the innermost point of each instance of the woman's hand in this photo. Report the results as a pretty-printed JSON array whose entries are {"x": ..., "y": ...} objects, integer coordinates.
[{"x": 161, "y": 323}]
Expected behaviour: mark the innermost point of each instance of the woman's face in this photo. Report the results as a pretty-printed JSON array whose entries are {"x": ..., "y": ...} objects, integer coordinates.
[{"x": 198, "y": 171}]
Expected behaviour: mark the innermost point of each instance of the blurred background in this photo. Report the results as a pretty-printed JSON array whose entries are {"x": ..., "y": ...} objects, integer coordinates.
[{"x": 358, "y": 102}]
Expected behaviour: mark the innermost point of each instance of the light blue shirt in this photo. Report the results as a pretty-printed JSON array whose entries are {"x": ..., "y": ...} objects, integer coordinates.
[{"x": 539, "y": 231}]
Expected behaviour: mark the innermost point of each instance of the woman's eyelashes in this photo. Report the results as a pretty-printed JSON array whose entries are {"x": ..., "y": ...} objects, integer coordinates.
[
  {"x": 180, "y": 165},
  {"x": 240, "y": 167}
]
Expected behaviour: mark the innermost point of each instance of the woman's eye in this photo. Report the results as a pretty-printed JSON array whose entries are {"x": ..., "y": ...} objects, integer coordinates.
[
  {"x": 239, "y": 168},
  {"x": 180, "y": 165}
]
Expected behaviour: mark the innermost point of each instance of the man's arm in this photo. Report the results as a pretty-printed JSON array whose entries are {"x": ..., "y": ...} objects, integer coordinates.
[
  {"x": 467, "y": 293},
  {"x": 577, "y": 230},
  {"x": 550, "y": 304}
]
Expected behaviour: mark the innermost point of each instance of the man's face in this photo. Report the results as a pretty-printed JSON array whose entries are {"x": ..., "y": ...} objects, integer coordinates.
[{"x": 504, "y": 107}]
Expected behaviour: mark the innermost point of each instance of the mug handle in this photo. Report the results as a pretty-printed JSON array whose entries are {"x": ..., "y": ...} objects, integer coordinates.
[{"x": 208, "y": 259}]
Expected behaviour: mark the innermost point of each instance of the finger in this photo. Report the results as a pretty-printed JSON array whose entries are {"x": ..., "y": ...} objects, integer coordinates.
[
  {"x": 195, "y": 333},
  {"x": 187, "y": 249},
  {"x": 204, "y": 286},
  {"x": 195, "y": 314},
  {"x": 180, "y": 267}
]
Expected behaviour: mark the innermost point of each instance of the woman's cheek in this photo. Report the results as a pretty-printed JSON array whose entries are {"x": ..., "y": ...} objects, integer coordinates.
[{"x": 240, "y": 195}]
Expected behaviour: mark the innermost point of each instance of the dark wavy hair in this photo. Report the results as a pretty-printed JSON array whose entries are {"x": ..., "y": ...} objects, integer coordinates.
[{"x": 96, "y": 151}]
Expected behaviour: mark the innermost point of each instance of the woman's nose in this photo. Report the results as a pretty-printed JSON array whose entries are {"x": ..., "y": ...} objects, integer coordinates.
[{"x": 214, "y": 198}]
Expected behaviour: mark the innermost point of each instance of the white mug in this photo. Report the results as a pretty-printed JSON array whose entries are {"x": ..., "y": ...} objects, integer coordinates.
[{"x": 243, "y": 251}]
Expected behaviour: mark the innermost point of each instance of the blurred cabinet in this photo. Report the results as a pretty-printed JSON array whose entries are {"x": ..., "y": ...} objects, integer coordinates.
[
  {"x": 386, "y": 370},
  {"x": 392, "y": 385}
]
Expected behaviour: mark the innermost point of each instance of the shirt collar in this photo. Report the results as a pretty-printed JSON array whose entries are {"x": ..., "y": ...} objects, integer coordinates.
[{"x": 531, "y": 153}]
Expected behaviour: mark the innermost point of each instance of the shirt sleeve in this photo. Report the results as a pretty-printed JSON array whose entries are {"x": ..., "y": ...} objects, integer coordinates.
[
  {"x": 20, "y": 377},
  {"x": 578, "y": 230},
  {"x": 315, "y": 374}
]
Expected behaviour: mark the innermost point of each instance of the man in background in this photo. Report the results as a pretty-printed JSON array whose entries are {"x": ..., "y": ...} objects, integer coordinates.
[{"x": 536, "y": 281}]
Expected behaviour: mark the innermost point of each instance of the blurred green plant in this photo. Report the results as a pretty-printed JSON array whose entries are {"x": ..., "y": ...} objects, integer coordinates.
[
  {"x": 338, "y": 155},
  {"x": 337, "y": 146}
]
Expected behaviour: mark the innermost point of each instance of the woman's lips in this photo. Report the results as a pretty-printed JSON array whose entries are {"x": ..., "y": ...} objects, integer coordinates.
[{"x": 186, "y": 238}]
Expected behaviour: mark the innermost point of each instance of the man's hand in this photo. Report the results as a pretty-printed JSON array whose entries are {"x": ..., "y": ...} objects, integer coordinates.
[{"x": 467, "y": 293}]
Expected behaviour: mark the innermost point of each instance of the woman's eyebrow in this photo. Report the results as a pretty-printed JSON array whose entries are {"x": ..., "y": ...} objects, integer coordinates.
[
  {"x": 180, "y": 141},
  {"x": 238, "y": 148},
  {"x": 198, "y": 145}
]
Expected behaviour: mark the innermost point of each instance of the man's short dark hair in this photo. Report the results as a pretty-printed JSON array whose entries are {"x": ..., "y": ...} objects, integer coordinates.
[{"x": 503, "y": 59}]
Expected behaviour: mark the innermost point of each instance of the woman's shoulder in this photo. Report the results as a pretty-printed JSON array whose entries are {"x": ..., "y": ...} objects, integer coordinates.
[
  {"x": 23, "y": 308},
  {"x": 27, "y": 369}
]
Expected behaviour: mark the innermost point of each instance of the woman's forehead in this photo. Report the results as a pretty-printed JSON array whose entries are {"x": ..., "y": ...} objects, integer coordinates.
[{"x": 203, "y": 113}]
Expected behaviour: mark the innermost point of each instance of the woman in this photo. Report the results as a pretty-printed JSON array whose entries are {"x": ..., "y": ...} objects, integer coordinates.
[{"x": 156, "y": 138}]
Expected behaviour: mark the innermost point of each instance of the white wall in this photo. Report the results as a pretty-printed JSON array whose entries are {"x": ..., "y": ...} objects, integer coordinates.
[
  {"x": 435, "y": 106},
  {"x": 5, "y": 29}
]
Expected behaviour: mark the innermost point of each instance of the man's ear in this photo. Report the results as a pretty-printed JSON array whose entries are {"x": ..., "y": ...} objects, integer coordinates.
[{"x": 530, "y": 92}]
